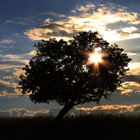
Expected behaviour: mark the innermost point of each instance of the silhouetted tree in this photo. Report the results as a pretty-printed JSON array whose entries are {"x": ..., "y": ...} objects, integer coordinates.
[{"x": 60, "y": 71}]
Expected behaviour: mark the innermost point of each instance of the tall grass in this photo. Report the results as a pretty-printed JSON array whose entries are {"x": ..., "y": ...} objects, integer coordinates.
[{"x": 99, "y": 126}]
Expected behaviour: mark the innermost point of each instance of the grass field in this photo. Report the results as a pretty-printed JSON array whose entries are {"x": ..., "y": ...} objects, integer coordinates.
[{"x": 80, "y": 127}]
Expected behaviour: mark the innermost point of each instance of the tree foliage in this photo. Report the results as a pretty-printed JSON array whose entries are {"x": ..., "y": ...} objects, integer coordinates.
[{"x": 60, "y": 70}]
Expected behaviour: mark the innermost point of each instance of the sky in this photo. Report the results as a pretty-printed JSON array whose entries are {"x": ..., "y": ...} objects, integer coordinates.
[{"x": 24, "y": 22}]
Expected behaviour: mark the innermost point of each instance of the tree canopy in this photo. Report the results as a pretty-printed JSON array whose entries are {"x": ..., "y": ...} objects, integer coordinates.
[{"x": 62, "y": 71}]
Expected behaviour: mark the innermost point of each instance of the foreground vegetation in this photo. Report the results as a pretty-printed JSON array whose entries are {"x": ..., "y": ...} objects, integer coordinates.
[{"x": 80, "y": 127}]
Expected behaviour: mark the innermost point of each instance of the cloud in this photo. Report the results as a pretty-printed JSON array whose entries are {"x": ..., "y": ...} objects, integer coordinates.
[
  {"x": 111, "y": 109},
  {"x": 17, "y": 72},
  {"x": 84, "y": 8},
  {"x": 134, "y": 68},
  {"x": 8, "y": 87},
  {"x": 8, "y": 83},
  {"x": 7, "y": 77},
  {"x": 7, "y": 42},
  {"x": 11, "y": 68},
  {"x": 129, "y": 87},
  {"x": 22, "y": 112},
  {"x": 10, "y": 61},
  {"x": 129, "y": 29},
  {"x": 28, "y": 20},
  {"x": 9, "y": 65},
  {"x": 4, "y": 92},
  {"x": 9, "y": 21},
  {"x": 55, "y": 14},
  {"x": 31, "y": 53},
  {"x": 90, "y": 17},
  {"x": 131, "y": 54},
  {"x": 11, "y": 56},
  {"x": 38, "y": 33},
  {"x": 22, "y": 21}
]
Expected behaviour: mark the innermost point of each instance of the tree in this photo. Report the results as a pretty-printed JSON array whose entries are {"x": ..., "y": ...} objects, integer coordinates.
[{"x": 68, "y": 73}]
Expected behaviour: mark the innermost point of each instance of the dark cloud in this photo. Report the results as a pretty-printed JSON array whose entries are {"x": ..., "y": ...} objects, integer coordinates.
[
  {"x": 53, "y": 26},
  {"x": 135, "y": 78},
  {"x": 60, "y": 33},
  {"x": 57, "y": 30}
]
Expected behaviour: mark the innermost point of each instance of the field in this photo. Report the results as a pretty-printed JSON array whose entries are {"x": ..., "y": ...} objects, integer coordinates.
[{"x": 70, "y": 128}]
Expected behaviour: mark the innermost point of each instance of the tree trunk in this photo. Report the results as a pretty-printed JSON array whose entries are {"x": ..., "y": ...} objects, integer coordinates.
[{"x": 64, "y": 111}]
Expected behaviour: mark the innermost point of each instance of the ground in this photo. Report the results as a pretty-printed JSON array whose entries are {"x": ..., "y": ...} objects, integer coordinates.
[{"x": 82, "y": 127}]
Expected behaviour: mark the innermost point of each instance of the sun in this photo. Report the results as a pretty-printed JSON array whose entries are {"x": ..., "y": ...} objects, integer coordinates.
[{"x": 95, "y": 57}]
